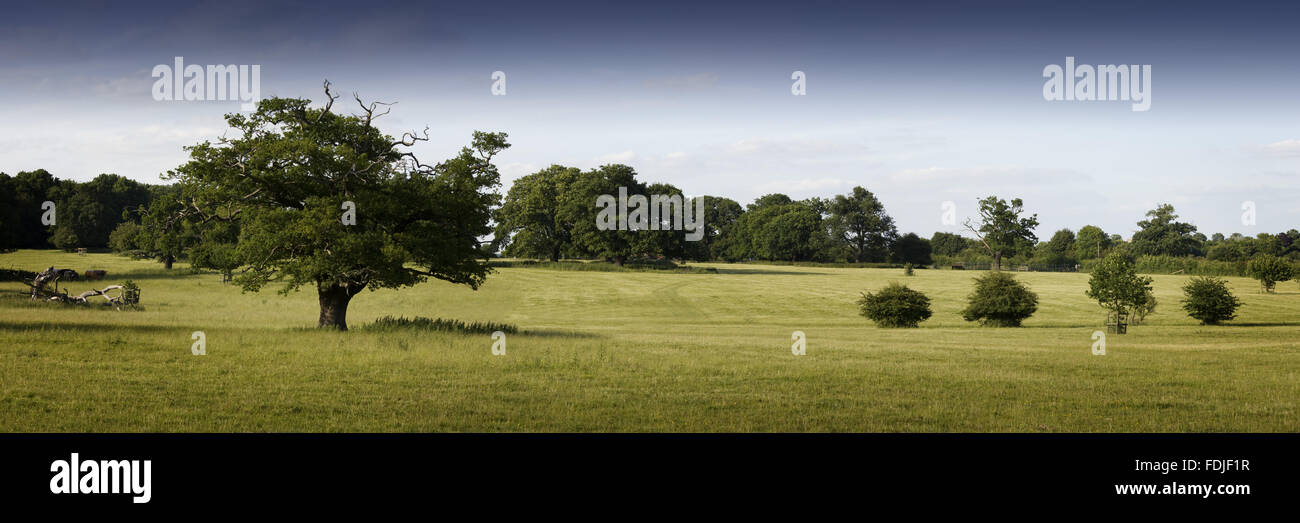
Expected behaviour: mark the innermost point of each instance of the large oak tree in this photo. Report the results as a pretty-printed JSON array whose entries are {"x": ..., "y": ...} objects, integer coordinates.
[{"x": 287, "y": 175}]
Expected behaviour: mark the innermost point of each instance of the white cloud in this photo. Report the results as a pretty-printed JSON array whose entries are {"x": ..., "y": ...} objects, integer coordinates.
[{"x": 1286, "y": 148}]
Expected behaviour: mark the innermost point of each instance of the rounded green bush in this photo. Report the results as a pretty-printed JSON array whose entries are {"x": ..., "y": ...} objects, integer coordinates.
[
  {"x": 1000, "y": 300},
  {"x": 895, "y": 306},
  {"x": 1269, "y": 270},
  {"x": 1208, "y": 299}
]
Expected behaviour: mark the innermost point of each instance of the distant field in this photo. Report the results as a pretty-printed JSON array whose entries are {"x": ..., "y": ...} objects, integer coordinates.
[{"x": 635, "y": 351}]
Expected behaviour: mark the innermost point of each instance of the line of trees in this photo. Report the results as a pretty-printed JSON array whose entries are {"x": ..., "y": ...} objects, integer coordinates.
[
  {"x": 551, "y": 214},
  {"x": 1160, "y": 234},
  {"x": 84, "y": 214}
]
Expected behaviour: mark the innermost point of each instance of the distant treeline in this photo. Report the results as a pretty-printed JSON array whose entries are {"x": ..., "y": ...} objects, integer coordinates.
[
  {"x": 551, "y": 215},
  {"x": 84, "y": 214},
  {"x": 547, "y": 215}
]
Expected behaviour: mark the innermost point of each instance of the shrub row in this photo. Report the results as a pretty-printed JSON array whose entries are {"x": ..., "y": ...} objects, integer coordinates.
[{"x": 999, "y": 300}]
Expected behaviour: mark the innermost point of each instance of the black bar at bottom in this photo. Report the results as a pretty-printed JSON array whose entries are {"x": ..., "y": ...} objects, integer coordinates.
[{"x": 917, "y": 470}]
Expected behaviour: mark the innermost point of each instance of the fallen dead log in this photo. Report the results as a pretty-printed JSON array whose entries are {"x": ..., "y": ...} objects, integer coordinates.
[
  {"x": 46, "y": 286},
  {"x": 50, "y": 276},
  {"x": 81, "y": 298}
]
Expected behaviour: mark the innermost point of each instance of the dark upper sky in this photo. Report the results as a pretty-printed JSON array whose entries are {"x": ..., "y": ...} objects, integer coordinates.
[{"x": 922, "y": 102}]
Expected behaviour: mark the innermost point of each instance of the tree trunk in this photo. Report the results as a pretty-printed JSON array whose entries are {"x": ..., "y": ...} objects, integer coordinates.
[
  {"x": 618, "y": 261},
  {"x": 168, "y": 261},
  {"x": 555, "y": 253},
  {"x": 333, "y": 306},
  {"x": 997, "y": 261}
]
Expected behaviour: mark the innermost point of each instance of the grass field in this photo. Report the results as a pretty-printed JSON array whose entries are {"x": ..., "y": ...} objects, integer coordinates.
[{"x": 635, "y": 351}]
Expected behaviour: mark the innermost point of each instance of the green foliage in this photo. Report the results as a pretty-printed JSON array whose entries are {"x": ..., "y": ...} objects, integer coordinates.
[
  {"x": 1163, "y": 235},
  {"x": 666, "y": 241},
  {"x": 1147, "y": 307},
  {"x": 1062, "y": 243},
  {"x": 1090, "y": 243},
  {"x": 633, "y": 265},
  {"x": 10, "y": 215},
  {"x": 770, "y": 230},
  {"x": 283, "y": 182},
  {"x": 1269, "y": 270},
  {"x": 65, "y": 238},
  {"x": 720, "y": 217},
  {"x": 784, "y": 232},
  {"x": 858, "y": 221},
  {"x": 87, "y": 211},
  {"x": 999, "y": 300},
  {"x": 165, "y": 232},
  {"x": 217, "y": 249},
  {"x": 1059, "y": 251},
  {"x": 123, "y": 238},
  {"x": 1207, "y": 299},
  {"x": 390, "y": 323},
  {"x": 580, "y": 208},
  {"x": 1115, "y": 285},
  {"x": 1178, "y": 265},
  {"x": 895, "y": 306},
  {"x": 1001, "y": 230},
  {"x": 531, "y": 222},
  {"x": 907, "y": 270},
  {"x": 769, "y": 200},
  {"x": 912, "y": 250},
  {"x": 949, "y": 244}
]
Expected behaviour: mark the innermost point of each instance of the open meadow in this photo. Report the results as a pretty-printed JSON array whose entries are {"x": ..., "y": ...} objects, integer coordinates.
[{"x": 635, "y": 351}]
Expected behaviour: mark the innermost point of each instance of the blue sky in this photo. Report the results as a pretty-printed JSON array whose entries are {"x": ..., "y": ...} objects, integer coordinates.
[{"x": 919, "y": 102}]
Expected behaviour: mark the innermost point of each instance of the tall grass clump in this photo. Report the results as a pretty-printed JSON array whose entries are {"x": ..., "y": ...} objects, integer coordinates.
[{"x": 440, "y": 325}]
